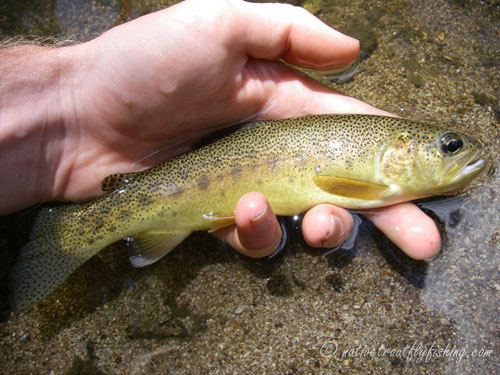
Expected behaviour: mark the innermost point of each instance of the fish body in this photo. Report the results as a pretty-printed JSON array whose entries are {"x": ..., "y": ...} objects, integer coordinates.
[{"x": 353, "y": 161}]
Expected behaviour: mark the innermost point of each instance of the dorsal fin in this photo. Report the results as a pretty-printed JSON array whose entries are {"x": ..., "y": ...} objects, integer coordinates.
[{"x": 115, "y": 180}]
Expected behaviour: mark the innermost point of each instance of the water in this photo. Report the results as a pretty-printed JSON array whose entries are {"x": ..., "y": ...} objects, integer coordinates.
[{"x": 203, "y": 309}]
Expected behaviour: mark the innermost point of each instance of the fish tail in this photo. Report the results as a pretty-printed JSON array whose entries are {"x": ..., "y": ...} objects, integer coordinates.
[
  {"x": 40, "y": 268},
  {"x": 52, "y": 254}
]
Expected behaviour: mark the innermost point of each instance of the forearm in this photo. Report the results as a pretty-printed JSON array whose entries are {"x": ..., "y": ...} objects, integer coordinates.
[{"x": 32, "y": 123}]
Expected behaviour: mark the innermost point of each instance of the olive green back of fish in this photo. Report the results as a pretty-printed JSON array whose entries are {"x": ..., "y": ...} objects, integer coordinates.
[{"x": 354, "y": 161}]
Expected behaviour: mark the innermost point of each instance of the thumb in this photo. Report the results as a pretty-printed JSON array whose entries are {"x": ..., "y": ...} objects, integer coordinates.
[{"x": 272, "y": 31}]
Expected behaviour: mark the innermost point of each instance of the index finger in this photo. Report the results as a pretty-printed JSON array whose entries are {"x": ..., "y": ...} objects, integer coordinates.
[{"x": 409, "y": 228}]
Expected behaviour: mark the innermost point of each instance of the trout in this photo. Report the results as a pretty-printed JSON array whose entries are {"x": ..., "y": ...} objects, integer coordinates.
[{"x": 353, "y": 161}]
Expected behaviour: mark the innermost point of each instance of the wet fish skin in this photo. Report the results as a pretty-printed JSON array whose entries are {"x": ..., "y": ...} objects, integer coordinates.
[{"x": 354, "y": 161}]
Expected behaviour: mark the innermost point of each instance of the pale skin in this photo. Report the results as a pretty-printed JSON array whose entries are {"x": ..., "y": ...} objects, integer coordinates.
[{"x": 143, "y": 91}]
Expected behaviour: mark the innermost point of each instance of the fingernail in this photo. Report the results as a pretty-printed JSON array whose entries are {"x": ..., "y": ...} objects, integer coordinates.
[
  {"x": 334, "y": 232},
  {"x": 262, "y": 220}
]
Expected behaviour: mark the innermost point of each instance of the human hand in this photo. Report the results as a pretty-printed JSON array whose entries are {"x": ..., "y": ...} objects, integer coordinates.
[{"x": 153, "y": 84}]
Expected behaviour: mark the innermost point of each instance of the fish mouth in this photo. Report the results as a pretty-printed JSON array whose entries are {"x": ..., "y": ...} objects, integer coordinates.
[
  {"x": 474, "y": 166},
  {"x": 472, "y": 169}
]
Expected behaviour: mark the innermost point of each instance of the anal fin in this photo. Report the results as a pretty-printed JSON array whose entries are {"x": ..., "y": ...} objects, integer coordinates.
[{"x": 150, "y": 246}]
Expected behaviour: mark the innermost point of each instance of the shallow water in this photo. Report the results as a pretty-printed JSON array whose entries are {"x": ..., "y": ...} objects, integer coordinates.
[{"x": 203, "y": 309}]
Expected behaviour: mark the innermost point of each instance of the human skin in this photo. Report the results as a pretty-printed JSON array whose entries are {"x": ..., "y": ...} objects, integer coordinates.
[{"x": 145, "y": 90}]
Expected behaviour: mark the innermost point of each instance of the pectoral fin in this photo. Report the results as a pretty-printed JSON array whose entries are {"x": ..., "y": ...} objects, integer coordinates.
[
  {"x": 350, "y": 188},
  {"x": 218, "y": 221},
  {"x": 150, "y": 246}
]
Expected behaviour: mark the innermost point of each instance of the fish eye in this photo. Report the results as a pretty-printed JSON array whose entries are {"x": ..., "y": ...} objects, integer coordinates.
[{"x": 450, "y": 143}]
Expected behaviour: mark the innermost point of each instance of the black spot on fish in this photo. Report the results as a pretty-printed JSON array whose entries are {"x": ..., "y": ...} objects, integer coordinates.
[
  {"x": 117, "y": 201},
  {"x": 144, "y": 200},
  {"x": 183, "y": 173},
  {"x": 251, "y": 152},
  {"x": 97, "y": 225},
  {"x": 104, "y": 210},
  {"x": 124, "y": 214},
  {"x": 216, "y": 163},
  {"x": 349, "y": 162}
]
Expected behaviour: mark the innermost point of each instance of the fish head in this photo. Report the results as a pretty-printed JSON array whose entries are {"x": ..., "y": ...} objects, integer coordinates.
[{"x": 430, "y": 160}]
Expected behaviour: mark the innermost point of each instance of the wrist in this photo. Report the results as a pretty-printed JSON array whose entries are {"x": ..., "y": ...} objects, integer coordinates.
[
  {"x": 34, "y": 112},
  {"x": 72, "y": 64}
]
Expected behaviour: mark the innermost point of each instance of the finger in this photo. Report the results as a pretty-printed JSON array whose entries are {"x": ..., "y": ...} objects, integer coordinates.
[
  {"x": 274, "y": 31},
  {"x": 257, "y": 232},
  {"x": 326, "y": 226},
  {"x": 409, "y": 228},
  {"x": 279, "y": 92}
]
